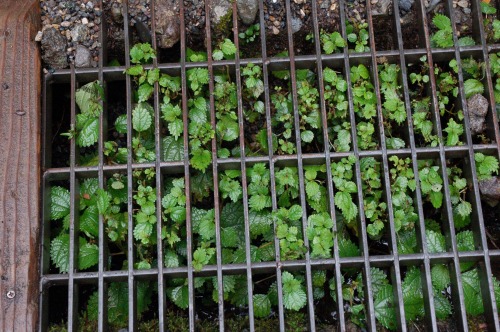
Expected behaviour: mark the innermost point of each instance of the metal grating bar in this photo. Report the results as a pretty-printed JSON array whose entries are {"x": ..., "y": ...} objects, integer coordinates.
[
  {"x": 421, "y": 238},
  {"x": 395, "y": 269}
]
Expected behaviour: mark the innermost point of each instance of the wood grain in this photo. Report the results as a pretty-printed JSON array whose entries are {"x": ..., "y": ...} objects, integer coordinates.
[{"x": 20, "y": 114}]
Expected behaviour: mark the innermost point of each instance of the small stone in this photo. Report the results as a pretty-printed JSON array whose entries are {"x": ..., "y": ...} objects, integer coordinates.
[
  {"x": 54, "y": 49},
  {"x": 116, "y": 13},
  {"x": 82, "y": 57},
  {"x": 247, "y": 10},
  {"x": 79, "y": 33},
  {"x": 38, "y": 36},
  {"x": 220, "y": 9},
  {"x": 490, "y": 190},
  {"x": 143, "y": 32},
  {"x": 277, "y": 23},
  {"x": 463, "y": 3},
  {"x": 85, "y": 20},
  {"x": 276, "y": 30},
  {"x": 65, "y": 24},
  {"x": 477, "y": 106},
  {"x": 167, "y": 23},
  {"x": 296, "y": 24}
]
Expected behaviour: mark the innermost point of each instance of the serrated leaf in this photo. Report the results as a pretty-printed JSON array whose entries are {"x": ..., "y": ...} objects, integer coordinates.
[
  {"x": 102, "y": 202},
  {"x": 172, "y": 149},
  {"x": 435, "y": 242},
  {"x": 294, "y": 295},
  {"x": 347, "y": 248},
  {"x": 217, "y": 55},
  {"x": 261, "y": 305},
  {"x": 176, "y": 128},
  {"x": 180, "y": 296},
  {"x": 121, "y": 124},
  {"x": 171, "y": 259},
  {"x": 59, "y": 252},
  {"x": 228, "y": 47},
  {"x": 473, "y": 86},
  {"x": 89, "y": 133},
  {"x": 440, "y": 277},
  {"x": 59, "y": 203},
  {"x": 89, "y": 221},
  {"x": 343, "y": 201},
  {"x": 295, "y": 212},
  {"x": 201, "y": 159},
  {"x": 207, "y": 229},
  {"x": 472, "y": 293},
  {"x": 307, "y": 136},
  {"x": 144, "y": 92},
  {"x": 142, "y": 232},
  {"x": 384, "y": 307},
  {"x": 88, "y": 255},
  {"x": 141, "y": 119},
  {"x": 442, "y": 306},
  {"x": 442, "y": 22}
]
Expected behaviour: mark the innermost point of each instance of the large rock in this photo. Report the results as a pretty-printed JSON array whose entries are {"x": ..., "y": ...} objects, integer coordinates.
[
  {"x": 221, "y": 15},
  {"x": 478, "y": 108},
  {"x": 167, "y": 23},
  {"x": 247, "y": 10},
  {"x": 54, "y": 49},
  {"x": 490, "y": 190},
  {"x": 83, "y": 57},
  {"x": 79, "y": 33}
]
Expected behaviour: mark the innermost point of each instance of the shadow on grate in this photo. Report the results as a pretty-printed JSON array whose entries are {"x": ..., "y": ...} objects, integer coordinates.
[{"x": 321, "y": 165}]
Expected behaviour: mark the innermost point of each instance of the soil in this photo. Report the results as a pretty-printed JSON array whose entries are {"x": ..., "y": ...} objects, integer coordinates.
[{"x": 409, "y": 28}]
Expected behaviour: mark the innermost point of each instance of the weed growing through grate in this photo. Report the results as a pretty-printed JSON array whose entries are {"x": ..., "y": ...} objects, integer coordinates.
[
  {"x": 443, "y": 33},
  {"x": 337, "y": 107},
  {"x": 495, "y": 73},
  {"x": 365, "y": 107},
  {"x": 490, "y": 22}
]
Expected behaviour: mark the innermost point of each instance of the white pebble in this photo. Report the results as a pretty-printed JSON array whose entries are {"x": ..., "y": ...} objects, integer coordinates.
[
  {"x": 38, "y": 36},
  {"x": 85, "y": 21}
]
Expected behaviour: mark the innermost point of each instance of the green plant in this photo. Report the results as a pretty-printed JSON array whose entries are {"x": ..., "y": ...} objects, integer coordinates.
[
  {"x": 485, "y": 166},
  {"x": 337, "y": 107},
  {"x": 491, "y": 24},
  {"x": 332, "y": 42},
  {"x": 357, "y": 37},
  {"x": 443, "y": 37},
  {"x": 250, "y": 34},
  {"x": 225, "y": 50},
  {"x": 342, "y": 175},
  {"x": 89, "y": 99}
]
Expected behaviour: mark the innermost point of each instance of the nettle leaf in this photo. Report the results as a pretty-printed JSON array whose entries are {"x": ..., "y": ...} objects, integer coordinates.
[
  {"x": 180, "y": 296},
  {"x": 472, "y": 293},
  {"x": 88, "y": 256},
  {"x": 59, "y": 252},
  {"x": 172, "y": 149},
  {"x": 294, "y": 295},
  {"x": 442, "y": 306},
  {"x": 89, "y": 221},
  {"x": 144, "y": 92},
  {"x": 347, "y": 248},
  {"x": 440, "y": 277},
  {"x": 307, "y": 136},
  {"x": 121, "y": 124},
  {"x": 89, "y": 133},
  {"x": 412, "y": 294},
  {"x": 261, "y": 305},
  {"x": 59, "y": 203},
  {"x": 384, "y": 307},
  {"x": 228, "y": 47},
  {"x": 343, "y": 201},
  {"x": 473, "y": 86},
  {"x": 201, "y": 159},
  {"x": 141, "y": 119},
  {"x": 435, "y": 242},
  {"x": 103, "y": 200},
  {"x": 442, "y": 22},
  {"x": 142, "y": 232}
]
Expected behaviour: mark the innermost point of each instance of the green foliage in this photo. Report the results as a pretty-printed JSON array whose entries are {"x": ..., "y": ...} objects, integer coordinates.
[
  {"x": 332, "y": 42},
  {"x": 342, "y": 175},
  {"x": 142, "y": 53},
  {"x": 289, "y": 232},
  {"x": 485, "y": 166},
  {"x": 294, "y": 295},
  {"x": 357, "y": 37},
  {"x": 443, "y": 37},
  {"x": 250, "y": 34},
  {"x": 225, "y": 50}
]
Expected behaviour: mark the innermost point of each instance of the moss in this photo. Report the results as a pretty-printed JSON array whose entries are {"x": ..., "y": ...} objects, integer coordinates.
[{"x": 223, "y": 28}]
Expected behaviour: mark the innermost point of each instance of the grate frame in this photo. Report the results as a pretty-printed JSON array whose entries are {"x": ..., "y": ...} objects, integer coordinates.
[{"x": 393, "y": 261}]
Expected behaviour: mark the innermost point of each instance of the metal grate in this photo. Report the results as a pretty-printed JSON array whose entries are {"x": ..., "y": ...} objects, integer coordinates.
[{"x": 394, "y": 262}]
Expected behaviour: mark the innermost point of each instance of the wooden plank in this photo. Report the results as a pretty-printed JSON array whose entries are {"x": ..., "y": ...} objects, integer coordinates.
[{"x": 20, "y": 87}]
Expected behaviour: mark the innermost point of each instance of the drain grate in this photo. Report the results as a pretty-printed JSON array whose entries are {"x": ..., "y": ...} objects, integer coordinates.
[{"x": 461, "y": 247}]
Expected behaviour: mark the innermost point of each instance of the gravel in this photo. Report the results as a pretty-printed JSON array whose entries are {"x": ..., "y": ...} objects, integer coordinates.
[{"x": 78, "y": 22}]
